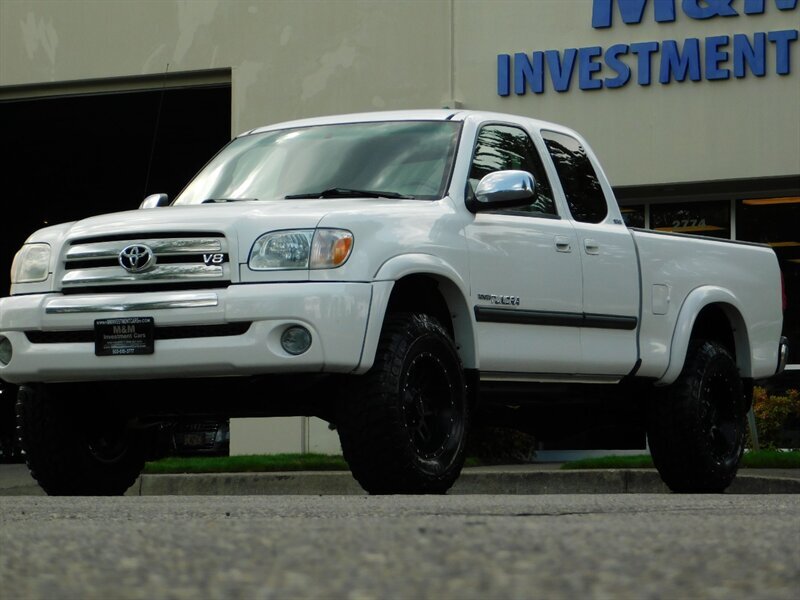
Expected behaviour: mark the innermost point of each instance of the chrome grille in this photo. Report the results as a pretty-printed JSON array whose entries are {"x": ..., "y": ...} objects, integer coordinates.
[
  {"x": 179, "y": 258},
  {"x": 174, "y": 246}
]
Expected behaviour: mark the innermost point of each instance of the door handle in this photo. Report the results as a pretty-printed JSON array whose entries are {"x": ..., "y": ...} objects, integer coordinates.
[
  {"x": 591, "y": 246},
  {"x": 562, "y": 244}
]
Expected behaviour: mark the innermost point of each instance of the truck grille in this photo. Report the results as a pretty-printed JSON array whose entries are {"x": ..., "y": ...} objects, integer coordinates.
[{"x": 152, "y": 261}]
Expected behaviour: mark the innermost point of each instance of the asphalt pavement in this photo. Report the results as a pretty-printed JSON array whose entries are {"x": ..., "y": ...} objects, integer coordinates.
[
  {"x": 459, "y": 547},
  {"x": 536, "y": 478}
]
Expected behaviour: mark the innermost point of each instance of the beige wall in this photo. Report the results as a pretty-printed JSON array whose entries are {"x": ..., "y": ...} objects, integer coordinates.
[
  {"x": 289, "y": 59},
  {"x": 690, "y": 131},
  {"x": 306, "y": 57},
  {"x": 277, "y": 435}
]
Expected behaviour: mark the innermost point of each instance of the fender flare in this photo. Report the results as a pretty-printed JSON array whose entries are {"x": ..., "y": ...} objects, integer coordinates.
[
  {"x": 695, "y": 302},
  {"x": 452, "y": 287},
  {"x": 402, "y": 265}
]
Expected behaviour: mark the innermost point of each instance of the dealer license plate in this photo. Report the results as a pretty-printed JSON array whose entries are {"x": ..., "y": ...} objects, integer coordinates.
[{"x": 121, "y": 337}]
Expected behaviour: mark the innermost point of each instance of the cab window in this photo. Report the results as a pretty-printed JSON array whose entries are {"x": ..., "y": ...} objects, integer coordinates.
[
  {"x": 585, "y": 198},
  {"x": 502, "y": 148}
]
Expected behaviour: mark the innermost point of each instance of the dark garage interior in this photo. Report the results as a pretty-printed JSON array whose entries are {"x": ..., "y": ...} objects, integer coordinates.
[{"x": 72, "y": 157}]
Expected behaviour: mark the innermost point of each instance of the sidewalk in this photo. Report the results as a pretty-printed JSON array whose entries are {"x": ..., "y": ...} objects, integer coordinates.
[{"x": 537, "y": 478}]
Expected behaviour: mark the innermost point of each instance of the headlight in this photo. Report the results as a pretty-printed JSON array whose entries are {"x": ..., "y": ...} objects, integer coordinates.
[
  {"x": 282, "y": 250},
  {"x": 301, "y": 249},
  {"x": 31, "y": 264}
]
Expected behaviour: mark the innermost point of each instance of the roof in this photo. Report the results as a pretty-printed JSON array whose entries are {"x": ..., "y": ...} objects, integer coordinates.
[{"x": 402, "y": 115}]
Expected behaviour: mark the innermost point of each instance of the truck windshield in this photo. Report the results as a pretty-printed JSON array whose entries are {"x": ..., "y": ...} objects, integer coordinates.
[{"x": 394, "y": 159}]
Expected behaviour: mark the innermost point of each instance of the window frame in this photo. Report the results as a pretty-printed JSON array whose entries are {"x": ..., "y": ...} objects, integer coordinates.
[
  {"x": 608, "y": 208},
  {"x": 516, "y": 212}
]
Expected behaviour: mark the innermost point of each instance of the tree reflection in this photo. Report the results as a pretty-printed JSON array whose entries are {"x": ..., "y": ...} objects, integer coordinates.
[
  {"x": 582, "y": 189},
  {"x": 501, "y": 148}
]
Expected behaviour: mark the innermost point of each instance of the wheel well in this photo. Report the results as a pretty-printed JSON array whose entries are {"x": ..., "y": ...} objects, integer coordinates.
[
  {"x": 713, "y": 324},
  {"x": 420, "y": 293},
  {"x": 442, "y": 299}
]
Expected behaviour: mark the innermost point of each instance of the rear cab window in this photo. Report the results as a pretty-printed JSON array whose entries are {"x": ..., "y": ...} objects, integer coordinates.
[{"x": 582, "y": 189}]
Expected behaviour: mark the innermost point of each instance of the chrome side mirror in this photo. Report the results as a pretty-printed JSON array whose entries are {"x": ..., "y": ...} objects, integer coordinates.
[
  {"x": 503, "y": 189},
  {"x": 154, "y": 201}
]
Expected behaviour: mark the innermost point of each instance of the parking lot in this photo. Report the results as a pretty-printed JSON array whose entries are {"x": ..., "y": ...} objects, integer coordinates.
[{"x": 460, "y": 546}]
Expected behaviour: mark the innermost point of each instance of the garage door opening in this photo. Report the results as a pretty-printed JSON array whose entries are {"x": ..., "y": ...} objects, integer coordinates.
[{"x": 74, "y": 156}]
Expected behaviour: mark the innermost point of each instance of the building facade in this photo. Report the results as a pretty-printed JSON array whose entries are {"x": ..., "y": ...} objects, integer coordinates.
[{"x": 692, "y": 105}]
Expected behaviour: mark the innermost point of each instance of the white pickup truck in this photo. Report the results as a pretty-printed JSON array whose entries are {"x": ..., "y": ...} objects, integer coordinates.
[{"x": 390, "y": 273}]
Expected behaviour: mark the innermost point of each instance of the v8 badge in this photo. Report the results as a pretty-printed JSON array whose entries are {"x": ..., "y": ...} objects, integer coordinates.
[{"x": 213, "y": 259}]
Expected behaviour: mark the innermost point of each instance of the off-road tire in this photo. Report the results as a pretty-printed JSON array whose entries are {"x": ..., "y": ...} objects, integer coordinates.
[
  {"x": 696, "y": 427},
  {"x": 403, "y": 426},
  {"x": 76, "y": 447}
]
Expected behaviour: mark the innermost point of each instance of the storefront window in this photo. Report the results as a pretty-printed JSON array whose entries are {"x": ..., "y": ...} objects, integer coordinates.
[
  {"x": 711, "y": 219},
  {"x": 633, "y": 215},
  {"x": 774, "y": 221}
]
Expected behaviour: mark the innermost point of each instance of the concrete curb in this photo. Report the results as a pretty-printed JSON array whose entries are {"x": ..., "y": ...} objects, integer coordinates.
[
  {"x": 15, "y": 480},
  {"x": 608, "y": 481}
]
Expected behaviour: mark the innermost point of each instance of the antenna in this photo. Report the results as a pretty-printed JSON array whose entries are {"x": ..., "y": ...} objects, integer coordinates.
[{"x": 155, "y": 132}]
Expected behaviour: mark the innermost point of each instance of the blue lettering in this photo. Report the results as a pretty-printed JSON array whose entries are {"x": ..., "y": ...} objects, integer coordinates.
[
  {"x": 503, "y": 73},
  {"x": 705, "y": 9},
  {"x": 675, "y": 64},
  {"x": 528, "y": 72},
  {"x": 586, "y": 67},
  {"x": 714, "y": 56},
  {"x": 561, "y": 72},
  {"x": 782, "y": 40},
  {"x": 644, "y": 51},
  {"x": 614, "y": 63},
  {"x": 756, "y": 7},
  {"x": 722, "y": 55},
  {"x": 631, "y": 11},
  {"x": 745, "y": 54}
]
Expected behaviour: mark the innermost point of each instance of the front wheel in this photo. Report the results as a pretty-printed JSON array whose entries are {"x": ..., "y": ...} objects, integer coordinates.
[
  {"x": 75, "y": 446},
  {"x": 696, "y": 428},
  {"x": 403, "y": 428}
]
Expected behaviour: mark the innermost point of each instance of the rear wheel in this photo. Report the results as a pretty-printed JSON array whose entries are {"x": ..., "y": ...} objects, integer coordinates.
[
  {"x": 77, "y": 447},
  {"x": 696, "y": 428},
  {"x": 403, "y": 428}
]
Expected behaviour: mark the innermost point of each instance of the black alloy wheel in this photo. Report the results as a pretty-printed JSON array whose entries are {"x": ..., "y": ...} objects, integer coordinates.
[
  {"x": 77, "y": 446},
  {"x": 696, "y": 426},
  {"x": 403, "y": 428}
]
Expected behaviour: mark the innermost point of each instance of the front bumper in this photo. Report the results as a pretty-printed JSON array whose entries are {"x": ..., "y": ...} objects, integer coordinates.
[{"x": 336, "y": 314}]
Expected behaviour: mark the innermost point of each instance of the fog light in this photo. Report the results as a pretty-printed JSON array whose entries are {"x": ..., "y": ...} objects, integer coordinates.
[
  {"x": 5, "y": 350},
  {"x": 296, "y": 340}
]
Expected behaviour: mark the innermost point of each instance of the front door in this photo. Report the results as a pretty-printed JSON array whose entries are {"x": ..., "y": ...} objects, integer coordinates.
[{"x": 525, "y": 269}]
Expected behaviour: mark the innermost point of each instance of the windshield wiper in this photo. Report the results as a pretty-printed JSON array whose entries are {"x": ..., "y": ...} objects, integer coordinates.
[
  {"x": 338, "y": 192},
  {"x": 214, "y": 200}
]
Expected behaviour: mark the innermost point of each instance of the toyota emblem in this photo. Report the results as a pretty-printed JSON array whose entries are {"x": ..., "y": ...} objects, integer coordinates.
[{"x": 137, "y": 258}]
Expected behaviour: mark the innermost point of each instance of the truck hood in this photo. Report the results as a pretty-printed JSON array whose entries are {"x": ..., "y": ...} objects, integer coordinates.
[{"x": 240, "y": 222}]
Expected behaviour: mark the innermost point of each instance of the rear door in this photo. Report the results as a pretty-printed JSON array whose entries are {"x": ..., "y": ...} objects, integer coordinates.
[
  {"x": 609, "y": 265},
  {"x": 525, "y": 268}
]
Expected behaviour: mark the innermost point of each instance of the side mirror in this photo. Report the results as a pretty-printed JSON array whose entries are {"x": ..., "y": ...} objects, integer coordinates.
[
  {"x": 503, "y": 189},
  {"x": 154, "y": 201}
]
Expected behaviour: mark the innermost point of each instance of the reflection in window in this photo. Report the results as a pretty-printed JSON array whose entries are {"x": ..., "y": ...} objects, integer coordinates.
[
  {"x": 633, "y": 215},
  {"x": 711, "y": 219},
  {"x": 410, "y": 158},
  {"x": 578, "y": 179},
  {"x": 502, "y": 148},
  {"x": 774, "y": 221}
]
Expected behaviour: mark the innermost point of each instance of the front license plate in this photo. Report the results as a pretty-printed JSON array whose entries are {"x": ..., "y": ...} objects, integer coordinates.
[{"x": 121, "y": 337}]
